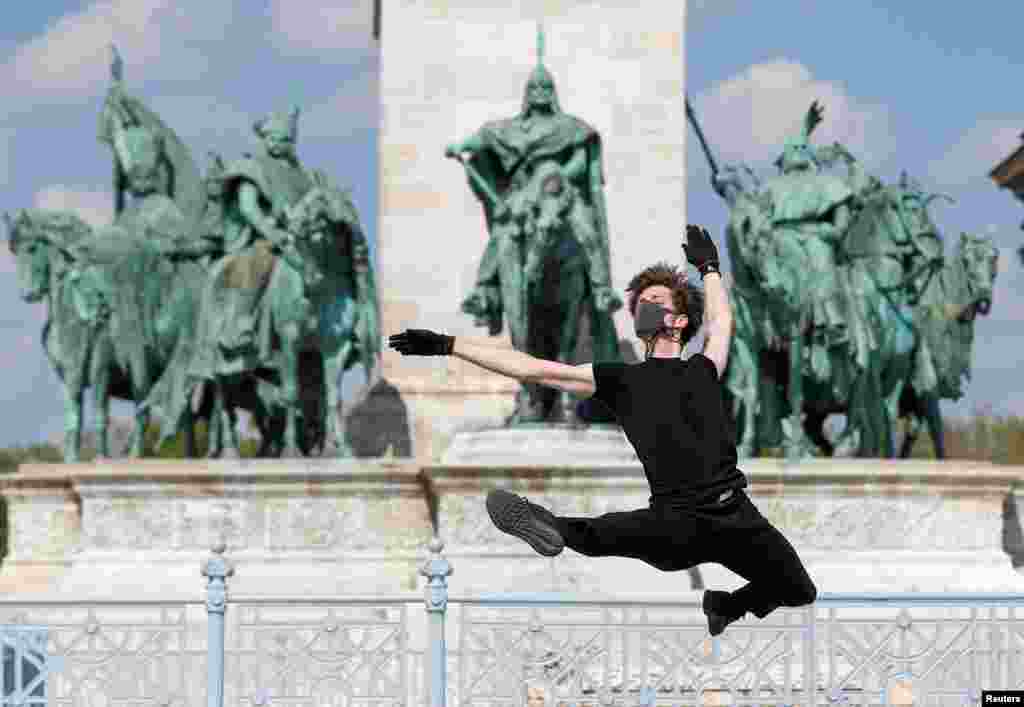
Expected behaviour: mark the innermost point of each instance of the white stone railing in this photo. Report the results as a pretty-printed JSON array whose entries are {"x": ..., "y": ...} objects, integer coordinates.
[{"x": 536, "y": 649}]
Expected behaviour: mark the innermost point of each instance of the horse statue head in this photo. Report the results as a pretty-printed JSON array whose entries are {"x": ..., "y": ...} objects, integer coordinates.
[
  {"x": 43, "y": 244},
  {"x": 324, "y": 222},
  {"x": 979, "y": 259},
  {"x": 543, "y": 213},
  {"x": 912, "y": 210}
]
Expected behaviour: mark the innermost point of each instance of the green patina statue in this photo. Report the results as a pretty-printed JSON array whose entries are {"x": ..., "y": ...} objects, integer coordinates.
[
  {"x": 116, "y": 305},
  {"x": 830, "y": 279},
  {"x": 539, "y": 178},
  {"x": 295, "y": 279},
  {"x": 289, "y": 301}
]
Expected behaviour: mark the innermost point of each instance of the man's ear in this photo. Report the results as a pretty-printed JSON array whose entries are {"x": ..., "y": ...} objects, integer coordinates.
[{"x": 679, "y": 321}]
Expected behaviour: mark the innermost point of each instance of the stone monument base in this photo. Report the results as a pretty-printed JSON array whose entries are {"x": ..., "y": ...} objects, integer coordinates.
[
  {"x": 859, "y": 525},
  {"x": 540, "y": 444},
  {"x": 308, "y": 527},
  {"x": 124, "y": 529}
]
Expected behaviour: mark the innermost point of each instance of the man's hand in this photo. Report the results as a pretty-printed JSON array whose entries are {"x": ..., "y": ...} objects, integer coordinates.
[
  {"x": 421, "y": 342},
  {"x": 700, "y": 250}
]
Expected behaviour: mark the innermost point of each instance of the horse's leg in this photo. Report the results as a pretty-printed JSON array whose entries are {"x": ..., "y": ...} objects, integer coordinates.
[
  {"x": 138, "y": 448},
  {"x": 140, "y": 381},
  {"x": 190, "y": 433},
  {"x": 334, "y": 434},
  {"x": 290, "y": 335},
  {"x": 892, "y": 409},
  {"x": 229, "y": 423},
  {"x": 814, "y": 428},
  {"x": 741, "y": 383},
  {"x": 99, "y": 374},
  {"x": 795, "y": 443},
  {"x": 259, "y": 418},
  {"x": 72, "y": 418},
  {"x": 215, "y": 429},
  {"x": 571, "y": 297},
  {"x": 910, "y": 438},
  {"x": 517, "y": 320},
  {"x": 933, "y": 415},
  {"x": 232, "y": 449}
]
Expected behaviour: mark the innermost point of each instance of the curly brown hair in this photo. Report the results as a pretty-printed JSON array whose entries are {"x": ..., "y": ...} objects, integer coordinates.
[{"x": 686, "y": 298}]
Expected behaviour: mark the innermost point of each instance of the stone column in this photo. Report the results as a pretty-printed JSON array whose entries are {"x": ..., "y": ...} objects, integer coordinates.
[{"x": 448, "y": 66}]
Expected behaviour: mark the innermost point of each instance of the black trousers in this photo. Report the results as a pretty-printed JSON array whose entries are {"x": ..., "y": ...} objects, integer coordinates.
[{"x": 732, "y": 533}]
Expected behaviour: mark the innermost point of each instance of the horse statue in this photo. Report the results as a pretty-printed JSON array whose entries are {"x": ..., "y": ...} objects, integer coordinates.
[
  {"x": 932, "y": 349},
  {"x": 945, "y": 314},
  {"x": 329, "y": 311},
  {"x": 75, "y": 337},
  {"x": 886, "y": 259}
]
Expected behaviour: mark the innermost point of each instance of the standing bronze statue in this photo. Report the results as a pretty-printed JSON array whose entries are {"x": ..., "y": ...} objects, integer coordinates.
[{"x": 539, "y": 178}]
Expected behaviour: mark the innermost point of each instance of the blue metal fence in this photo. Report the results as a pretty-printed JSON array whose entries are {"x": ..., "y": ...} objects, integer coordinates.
[{"x": 520, "y": 649}]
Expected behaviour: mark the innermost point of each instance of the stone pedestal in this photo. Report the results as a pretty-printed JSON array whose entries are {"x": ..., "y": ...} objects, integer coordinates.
[
  {"x": 859, "y": 526},
  {"x": 618, "y": 66},
  {"x": 123, "y": 529},
  {"x": 336, "y": 528},
  {"x": 539, "y": 444}
]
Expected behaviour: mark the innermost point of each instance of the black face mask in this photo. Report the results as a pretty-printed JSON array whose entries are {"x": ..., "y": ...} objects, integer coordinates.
[{"x": 650, "y": 319}]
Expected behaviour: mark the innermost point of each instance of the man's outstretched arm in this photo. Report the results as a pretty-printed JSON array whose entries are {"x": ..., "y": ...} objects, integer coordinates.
[{"x": 524, "y": 367}]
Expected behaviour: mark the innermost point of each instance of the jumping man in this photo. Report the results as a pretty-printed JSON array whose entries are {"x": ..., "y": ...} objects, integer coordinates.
[{"x": 674, "y": 414}]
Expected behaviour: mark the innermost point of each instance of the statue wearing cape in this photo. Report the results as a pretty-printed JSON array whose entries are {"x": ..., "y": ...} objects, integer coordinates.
[
  {"x": 238, "y": 327},
  {"x": 505, "y": 155}
]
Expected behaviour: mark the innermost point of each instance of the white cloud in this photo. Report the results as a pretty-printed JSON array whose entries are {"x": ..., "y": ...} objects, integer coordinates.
[
  {"x": 312, "y": 27},
  {"x": 968, "y": 161},
  {"x": 747, "y": 117},
  {"x": 95, "y": 207},
  {"x": 71, "y": 58}
]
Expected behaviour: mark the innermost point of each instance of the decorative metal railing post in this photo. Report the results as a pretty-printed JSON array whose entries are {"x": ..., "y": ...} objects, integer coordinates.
[
  {"x": 216, "y": 570},
  {"x": 811, "y": 655},
  {"x": 437, "y": 570}
]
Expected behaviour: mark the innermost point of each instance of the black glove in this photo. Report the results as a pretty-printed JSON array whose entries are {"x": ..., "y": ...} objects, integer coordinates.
[
  {"x": 421, "y": 342},
  {"x": 700, "y": 250}
]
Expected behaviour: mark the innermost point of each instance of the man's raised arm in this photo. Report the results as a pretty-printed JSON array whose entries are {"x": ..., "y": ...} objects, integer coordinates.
[
  {"x": 718, "y": 321},
  {"x": 701, "y": 251}
]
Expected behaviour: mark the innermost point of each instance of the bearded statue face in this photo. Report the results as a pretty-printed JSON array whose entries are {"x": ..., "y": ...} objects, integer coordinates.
[
  {"x": 796, "y": 156},
  {"x": 540, "y": 91},
  {"x": 278, "y": 143},
  {"x": 140, "y": 159}
]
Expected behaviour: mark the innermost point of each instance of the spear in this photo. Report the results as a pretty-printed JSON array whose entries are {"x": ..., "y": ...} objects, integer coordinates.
[{"x": 700, "y": 136}]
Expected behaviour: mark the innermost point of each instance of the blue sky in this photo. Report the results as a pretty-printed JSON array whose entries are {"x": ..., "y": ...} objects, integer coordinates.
[{"x": 930, "y": 87}]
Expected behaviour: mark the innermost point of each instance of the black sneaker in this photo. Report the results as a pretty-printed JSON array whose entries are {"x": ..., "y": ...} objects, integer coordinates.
[
  {"x": 714, "y": 608},
  {"x": 515, "y": 515}
]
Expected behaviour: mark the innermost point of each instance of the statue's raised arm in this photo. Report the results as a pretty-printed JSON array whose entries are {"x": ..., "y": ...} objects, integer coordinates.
[{"x": 126, "y": 124}]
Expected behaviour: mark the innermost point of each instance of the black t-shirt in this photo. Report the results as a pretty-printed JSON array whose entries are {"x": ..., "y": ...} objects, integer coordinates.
[{"x": 673, "y": 413}]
